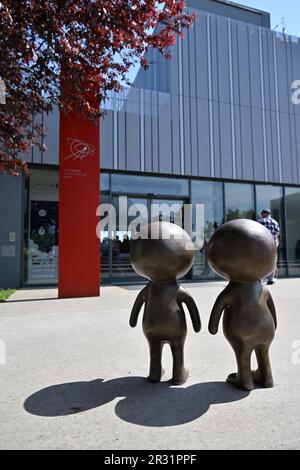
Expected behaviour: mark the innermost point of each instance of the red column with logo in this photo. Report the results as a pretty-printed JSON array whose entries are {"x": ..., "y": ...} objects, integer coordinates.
[{"x": 79, "y": 197}]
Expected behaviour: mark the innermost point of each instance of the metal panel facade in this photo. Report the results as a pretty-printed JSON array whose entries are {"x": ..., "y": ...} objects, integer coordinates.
[{"x": 11, "y": 230}]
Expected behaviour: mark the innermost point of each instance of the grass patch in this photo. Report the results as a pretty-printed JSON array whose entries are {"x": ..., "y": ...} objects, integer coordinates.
[{"x": 5, "y": 293}]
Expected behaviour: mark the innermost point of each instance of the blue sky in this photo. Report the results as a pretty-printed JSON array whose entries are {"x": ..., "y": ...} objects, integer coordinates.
[{"x": 289, "y": 9}]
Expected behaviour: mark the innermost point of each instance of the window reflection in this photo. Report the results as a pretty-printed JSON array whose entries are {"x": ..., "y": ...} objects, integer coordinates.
[
  {"x": 211, "y": 195},
  {"x": 41, "y": 251},
  {"x": 104, "y": 238},
  {"x": 168, "y": 210},
  {"x": 271, "y": 197},
  {"x": 120, "y": 243},
  {"x": 104, "y": 182},
  {"x": 239, "y": 201},
  {"x": 140, "y": 213},
  {"x": 293, "y": 229},
  {"x": 149, "y": 185},
  {"x": 41, "y": 234}
]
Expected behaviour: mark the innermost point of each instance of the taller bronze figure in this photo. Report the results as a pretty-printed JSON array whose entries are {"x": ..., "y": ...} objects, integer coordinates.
[
  {"x": 164, "y": 258},
  {"x": 244, "y": 252}
]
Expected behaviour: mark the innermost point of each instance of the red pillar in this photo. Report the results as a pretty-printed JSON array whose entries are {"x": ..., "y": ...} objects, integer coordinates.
[{"x": 79, "y": 197}]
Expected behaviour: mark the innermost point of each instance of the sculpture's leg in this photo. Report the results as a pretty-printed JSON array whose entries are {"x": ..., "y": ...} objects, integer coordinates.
[
  {"x": 263, "y": 374},
  {"x": 243, "y": 378},
  {"x": 180, "y": 374},
  {"x": 156, "y": 370}
]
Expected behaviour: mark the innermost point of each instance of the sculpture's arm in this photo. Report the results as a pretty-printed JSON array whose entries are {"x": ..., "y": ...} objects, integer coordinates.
[
  {"x": 220, "y": 305},
  {"x": 139, "y": 301},
  {"x": 271, "y": 305},
  {"x": 185, "y": 297}
]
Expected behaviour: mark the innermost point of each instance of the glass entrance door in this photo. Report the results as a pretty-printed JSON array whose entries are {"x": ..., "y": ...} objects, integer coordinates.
[
  {"x": 41, "y": 235},
  {"x": 170, "y": 210},
  {"x": 121, "y": 269},
  {"x": 148, "y": 209}
]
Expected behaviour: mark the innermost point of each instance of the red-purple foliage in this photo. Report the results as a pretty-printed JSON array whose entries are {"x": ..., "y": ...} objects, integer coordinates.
[{"x": 88, "y": 39}]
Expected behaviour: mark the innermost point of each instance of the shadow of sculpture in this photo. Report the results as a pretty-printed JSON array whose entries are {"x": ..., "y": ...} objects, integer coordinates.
[{"x": 140, "y": 402}]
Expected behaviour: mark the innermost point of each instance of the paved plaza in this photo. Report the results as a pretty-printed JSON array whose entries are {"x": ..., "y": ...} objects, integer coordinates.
[{"x": 74, "y": 378}]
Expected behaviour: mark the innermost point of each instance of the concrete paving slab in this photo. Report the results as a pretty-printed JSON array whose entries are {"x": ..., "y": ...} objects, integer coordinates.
[{"x": 74, "y": 378}]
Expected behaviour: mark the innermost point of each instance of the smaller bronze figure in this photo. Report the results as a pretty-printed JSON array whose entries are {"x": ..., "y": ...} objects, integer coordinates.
[
  {"x": 244, "y": 252},
  {"x": 163, "y": 260}
]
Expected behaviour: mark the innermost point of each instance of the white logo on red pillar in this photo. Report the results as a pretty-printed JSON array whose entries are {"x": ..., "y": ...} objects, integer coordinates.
[{"x": 79, "y": 149}]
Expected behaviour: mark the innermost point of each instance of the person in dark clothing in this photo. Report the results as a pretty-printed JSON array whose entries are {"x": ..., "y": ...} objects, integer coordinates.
[{"x": 273, "y": 226}]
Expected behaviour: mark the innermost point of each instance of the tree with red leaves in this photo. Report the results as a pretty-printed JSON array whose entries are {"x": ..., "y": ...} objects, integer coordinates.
[{"x": 87, "y": 39}]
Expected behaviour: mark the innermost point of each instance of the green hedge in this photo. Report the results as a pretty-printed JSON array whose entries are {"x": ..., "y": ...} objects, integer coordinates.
[{"x": 5, "y": 293}]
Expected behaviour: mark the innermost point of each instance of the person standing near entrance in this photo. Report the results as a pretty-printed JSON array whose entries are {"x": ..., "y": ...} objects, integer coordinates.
[{"x": 273, "y": 226}]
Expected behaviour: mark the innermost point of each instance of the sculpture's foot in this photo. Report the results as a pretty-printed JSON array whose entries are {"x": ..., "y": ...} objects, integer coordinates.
[
  {"x": 155, "y": 378},
  {"x": 180, "y": 378},
  {"x": 246, "y": 383},
  {"x": 260, "y": 379}
]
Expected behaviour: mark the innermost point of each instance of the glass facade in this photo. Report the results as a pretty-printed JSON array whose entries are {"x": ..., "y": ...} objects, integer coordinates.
[
  {"x": 120, "y": 244},
  {"x": 292, "y": 202},
  {"x": 145, "y": 193},
  {"x": 222, "y": 201},
  {"x": 133, "y": 184},
  {"x": 239, "y": 201},
  {"x": 211, "y": 195},
  {"x": 271, "y": 197},
  {"x": 105, "y": 244},
  {"x": 41, "y": 234}
]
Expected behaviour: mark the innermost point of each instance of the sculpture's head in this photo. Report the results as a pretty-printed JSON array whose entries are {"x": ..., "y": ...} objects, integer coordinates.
[
  {"x": 242, "y": 251},
  {"x": 163, "y": 252}
]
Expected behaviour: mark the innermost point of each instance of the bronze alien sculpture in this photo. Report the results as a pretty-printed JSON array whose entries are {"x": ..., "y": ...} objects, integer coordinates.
[
  {"x": 163, "y": 259},
  {"x": 244, "y": 252}
]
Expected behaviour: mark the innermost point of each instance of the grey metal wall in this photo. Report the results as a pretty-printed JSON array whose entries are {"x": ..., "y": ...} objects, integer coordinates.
[
  {"x": 221, "y": 108},
  {"x": 11, "y": 230},
  {"x": 232, "y": 10},
  {"x": 231, "y": 83}
]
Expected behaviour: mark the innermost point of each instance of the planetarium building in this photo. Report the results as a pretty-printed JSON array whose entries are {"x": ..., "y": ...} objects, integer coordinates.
[{"x": 216, "y": 125}]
